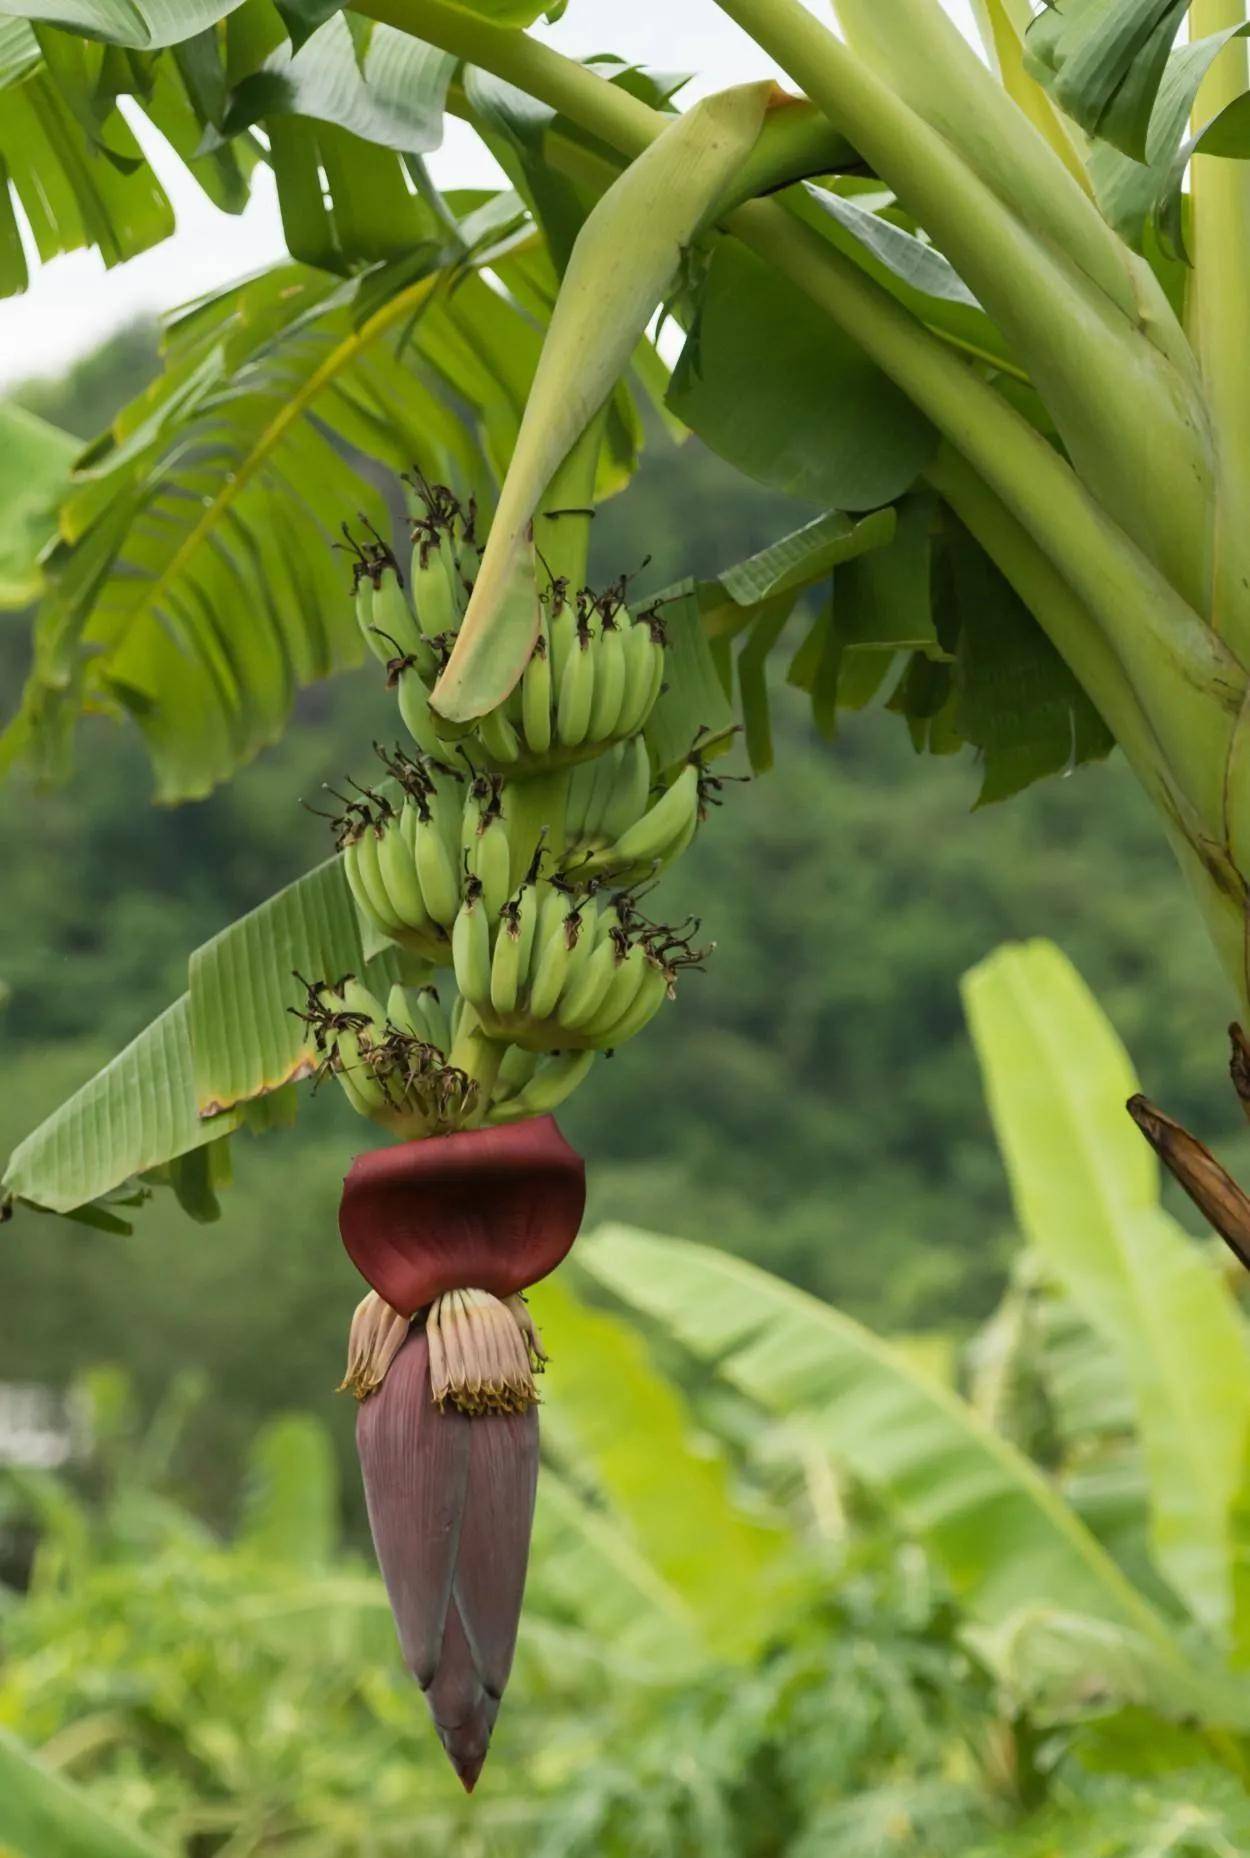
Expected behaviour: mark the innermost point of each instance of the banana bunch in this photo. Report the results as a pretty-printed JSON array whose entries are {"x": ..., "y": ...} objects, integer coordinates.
[
  {"x": 520, "y": 866},
  {"x": 403, "y": 862},
  {"x": 395, "y": 1064},
  {"x": 592, "y": 679},
  {"x": 554, "y": 972},
  {"x": 617, "y": 838}
]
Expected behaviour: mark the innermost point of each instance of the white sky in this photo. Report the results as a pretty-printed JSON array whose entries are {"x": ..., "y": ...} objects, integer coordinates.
[{"x": 73, "y": 303}]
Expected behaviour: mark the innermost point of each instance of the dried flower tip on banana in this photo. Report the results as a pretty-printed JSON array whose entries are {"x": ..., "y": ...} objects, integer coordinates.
[
  {"x": 377, "y": 1334},
  {"x": 480, "y": 1353},
  {"x": 529, "y": 1330}
]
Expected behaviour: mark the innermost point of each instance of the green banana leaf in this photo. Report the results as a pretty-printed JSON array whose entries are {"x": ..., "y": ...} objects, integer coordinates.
[
  {"x": 770, "y": 385},
  {"x": 187, "y": 1080},
  {"x": 391, "y": 94},
  {"x": 141, "y": 24},
  {"x": 1104, "y": 63},
  {"x": 136, "y": 1114},
  {"x": 74, "y": 190},
  {"x": 34, "y": 470},
  {"x": 246, "y": 1040},
  {"x": 1086, "y": 1191},
  {"x": 615, "y": 1421},
  {"x": 42, "y": 1816},
  {"x": 1002, "y": 1535},
  {"x": 196, "y": 588}
]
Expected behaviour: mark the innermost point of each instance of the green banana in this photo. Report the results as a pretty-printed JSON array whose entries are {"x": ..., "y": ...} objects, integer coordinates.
[
  {"x": 644, "y": 672},
  {"x": 527, "y": 922},
  {"x": 399, "y": 874},
  {"x": 651, "y": 842},
  {"x": 581, "y": 783},
  {"x": 393, "y": 627},
  {"x": 414, "y": 708},
  {"x": 351, "y": 871},
  {"x": 363, "y": 601},
  {"x": 631, "y": 783},
  {"x": 515, "y": 1071},
  {"x": 562, "y": 631},
  {"x": 586, "y": 937},
  {"x": 555, "y": 1078},
  {"x": 584, "y": 994},
  {"x": 652, "y": 990},
  {"x": 440, "y": 886},
  {"x": 577, "y": 694},
  {"x": 609, "y": 682},
  {"x": 499, "y": 738},
  {"x": 620, "y": 994},
  {"x": 470, "y": 949},
  {"x": 373, "y": 885},
  {"x": 433, "y": 591},
  {"x": 434, "y": 1018},
  {"x": 550, "y": 964},
  {"x": 352, "y": 996},
  {"x": 490, "y": 860},
  {"x": 536, "y": 695},
  {"x": 505, "y": 967}
]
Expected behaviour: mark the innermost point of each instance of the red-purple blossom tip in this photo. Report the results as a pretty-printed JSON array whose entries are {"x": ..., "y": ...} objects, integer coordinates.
[{"x": 451, "y": 1505}]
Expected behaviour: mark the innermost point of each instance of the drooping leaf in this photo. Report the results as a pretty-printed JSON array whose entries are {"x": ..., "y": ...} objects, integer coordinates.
[
  {"x": 768, "y": 383},
  {"x": 766, "y": 628},
  {"x": 246, "y": 1039},
  {"x": 622, "y": 265},
  {"x": 391, "y": 97},
  {"x": 1086, "y": 1191},
  {"x": 1104, "y": 60},
  {"x": 805, "y": 555},
  {"x": 911, "y": 270},
  {"x": 34, "y": 469},
  {"x": 1130, "y": 192},
  {"x": 74, "y": 189},
  {"x": 43, "y": 1816},
  {"x": 142, "y": 24},
  {"x": 136, "y": 1114},
  {"x": 195, "y": 588},
  {"x": 1003, "y": 1537},
  {"x": 615, "y": 1420},
  {"x": 1016, "y": 700}
]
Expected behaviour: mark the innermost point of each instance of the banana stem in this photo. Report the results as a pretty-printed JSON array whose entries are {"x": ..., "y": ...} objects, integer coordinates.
[
  {"x": 536, "y": 803},
  {"x": 1219, "y": 292},
  {"x": 564, "y": 515}
]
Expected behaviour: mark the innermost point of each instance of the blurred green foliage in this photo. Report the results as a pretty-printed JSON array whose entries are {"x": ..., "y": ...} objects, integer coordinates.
[{"x": 811, "y": 1102}]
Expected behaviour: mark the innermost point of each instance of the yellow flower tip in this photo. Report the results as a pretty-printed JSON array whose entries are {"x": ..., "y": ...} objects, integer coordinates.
[
  {"x": 480, "y": 1354},
  {"x": 377, "y": 1334}
]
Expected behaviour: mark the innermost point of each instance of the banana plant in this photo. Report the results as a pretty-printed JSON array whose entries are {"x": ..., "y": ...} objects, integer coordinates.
[{"x": 965, "y": 306}]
